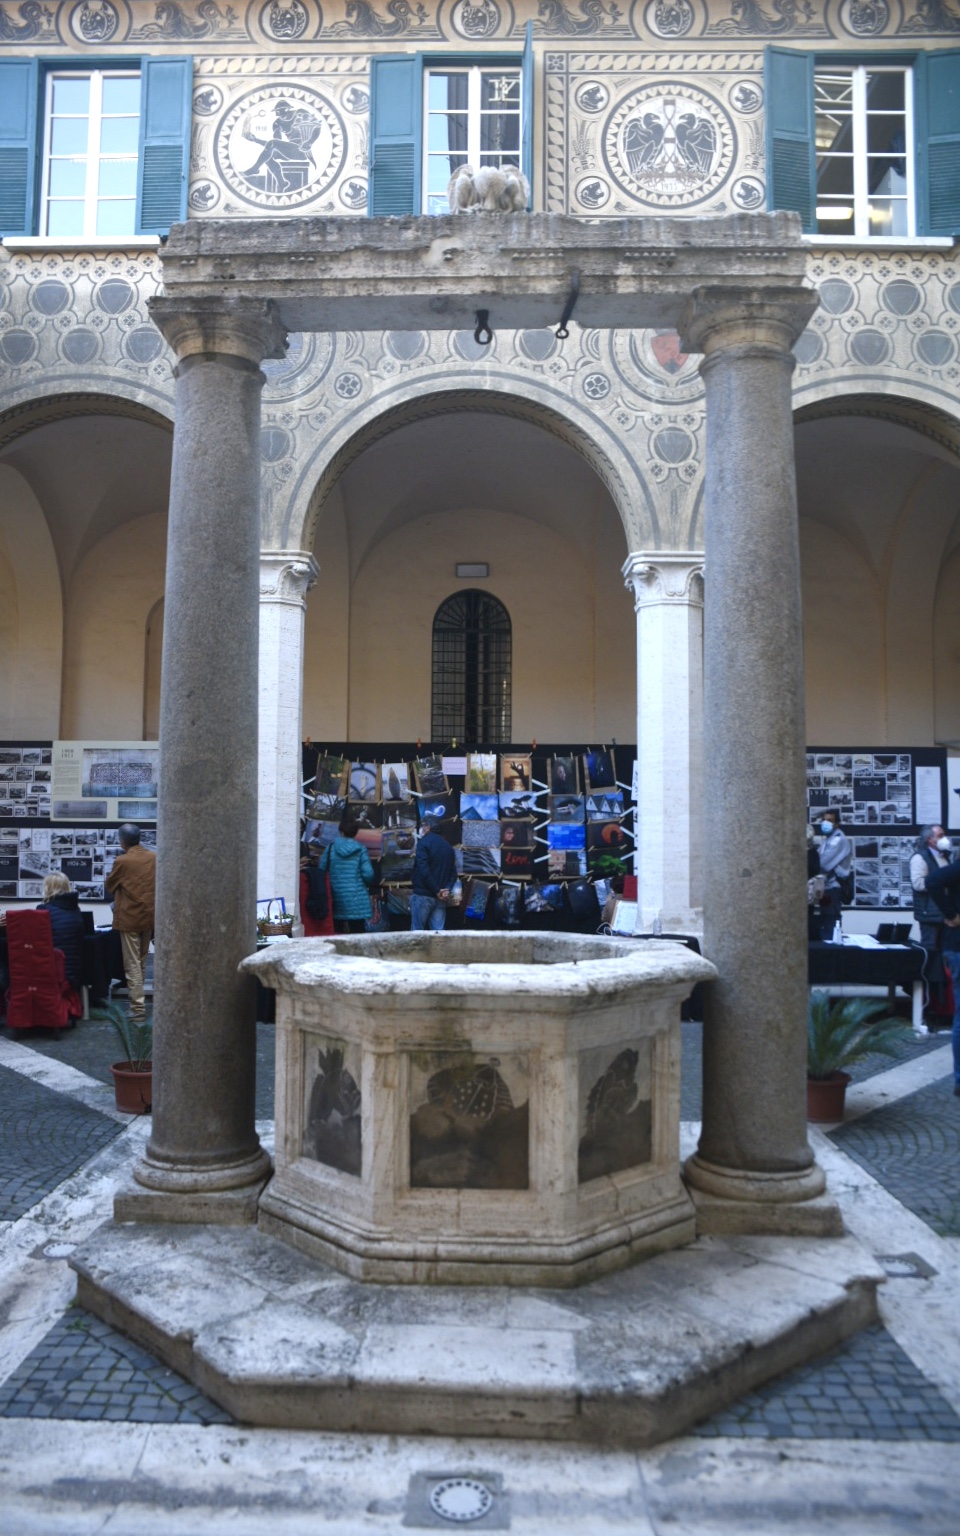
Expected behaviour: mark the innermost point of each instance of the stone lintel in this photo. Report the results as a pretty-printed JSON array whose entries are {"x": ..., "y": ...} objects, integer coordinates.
[
  {"x": 220, "y": 325},
  {"x": 719, "y": 317},
  {"x": 662, "y": 576},
  {"x": 423, "y": 273}
]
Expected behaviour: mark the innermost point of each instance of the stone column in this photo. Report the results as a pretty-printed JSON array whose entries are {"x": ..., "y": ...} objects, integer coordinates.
[
  {"x": 668, "y": 598},
  {"x": 286, "y": 576},
  {"x": 754, "y": 1170},
  {"x": 203, "y": 1161}
]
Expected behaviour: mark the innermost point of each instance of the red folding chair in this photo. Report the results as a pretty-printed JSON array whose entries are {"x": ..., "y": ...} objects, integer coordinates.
[{"x": 39, "y": 995}]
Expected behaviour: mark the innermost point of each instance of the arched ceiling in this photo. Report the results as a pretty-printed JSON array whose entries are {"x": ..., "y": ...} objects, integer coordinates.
[
  {"x": 469, "y": 460},
  {"x": 91, "y": 473},
  {"x": 868, "y": 468}
]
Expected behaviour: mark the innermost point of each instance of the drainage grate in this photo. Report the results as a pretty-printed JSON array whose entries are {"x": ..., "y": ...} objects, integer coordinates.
[
  {"x": 474, "y": 1501},
  {"x": 905, "y": 1266}
]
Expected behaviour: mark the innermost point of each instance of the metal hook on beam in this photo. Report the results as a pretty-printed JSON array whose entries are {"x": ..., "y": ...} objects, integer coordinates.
[
  {"x": 562, "y": 332},
  {"x": 483, "y": 334}
]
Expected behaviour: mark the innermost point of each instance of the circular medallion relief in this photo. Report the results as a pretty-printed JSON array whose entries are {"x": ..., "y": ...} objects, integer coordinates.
[
  {"x": 285, "y": 23},
  {"x": 475, "y": 19},
  {"x": 94, "y": 21},
  {"x": 280, "y": 146},
  {"x": 669, "y": 145}
]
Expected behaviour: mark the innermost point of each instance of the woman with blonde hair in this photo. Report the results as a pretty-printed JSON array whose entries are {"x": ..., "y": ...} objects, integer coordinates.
[{"x": 66, "y": 920}]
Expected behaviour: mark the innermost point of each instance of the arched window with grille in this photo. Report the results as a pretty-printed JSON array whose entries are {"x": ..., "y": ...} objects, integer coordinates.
[{"x": 472, "y": 644}]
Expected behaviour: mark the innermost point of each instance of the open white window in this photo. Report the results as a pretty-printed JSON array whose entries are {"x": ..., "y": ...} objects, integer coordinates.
[
  {"x": 472, "y": 117},
  {"x": 865, "y": 152},
  {"x": 90, "y": 153}
]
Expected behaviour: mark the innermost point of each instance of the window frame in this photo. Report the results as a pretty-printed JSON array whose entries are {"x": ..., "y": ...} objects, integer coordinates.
[
  {"x": 486, "y": 654},
  {"x": 935, "y": 128},
  {"x": 94, "y": 159},
  {"x": 163, "y": 146},
  {"x": 859, "y": 153},
  {"x": 397, "y": 122},
  {"x": 474, "y": 68}
]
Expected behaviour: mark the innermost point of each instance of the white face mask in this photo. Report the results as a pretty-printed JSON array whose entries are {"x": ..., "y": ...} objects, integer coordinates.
[{"x": 944, "y": 844}]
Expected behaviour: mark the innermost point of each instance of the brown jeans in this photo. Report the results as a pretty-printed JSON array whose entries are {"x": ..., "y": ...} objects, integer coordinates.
[{"x": 135, "y": 947}]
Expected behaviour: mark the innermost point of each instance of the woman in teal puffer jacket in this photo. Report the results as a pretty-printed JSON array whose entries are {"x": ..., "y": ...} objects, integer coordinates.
[{"x": 351, "y": 875}]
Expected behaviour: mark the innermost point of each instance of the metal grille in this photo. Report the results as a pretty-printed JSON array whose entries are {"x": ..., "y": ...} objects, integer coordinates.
[{"x": 471, "y": 670}]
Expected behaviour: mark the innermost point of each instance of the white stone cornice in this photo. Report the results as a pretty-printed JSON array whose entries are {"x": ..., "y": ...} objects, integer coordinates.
[
  {"x": 664, "y": 577},
  {"x": 286, "y": 576}
]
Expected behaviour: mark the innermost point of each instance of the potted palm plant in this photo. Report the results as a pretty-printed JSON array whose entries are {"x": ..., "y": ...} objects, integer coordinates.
[
  {"x": 838, "y": 1035},
  {"x": 132, "y": 1077}
]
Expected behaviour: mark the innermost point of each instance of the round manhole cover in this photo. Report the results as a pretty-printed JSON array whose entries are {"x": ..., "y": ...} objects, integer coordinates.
[{"x": 461, "y": 1500}]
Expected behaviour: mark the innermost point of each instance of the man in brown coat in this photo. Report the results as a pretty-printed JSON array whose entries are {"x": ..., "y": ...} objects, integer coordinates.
[{"x": 132, "y": 884}]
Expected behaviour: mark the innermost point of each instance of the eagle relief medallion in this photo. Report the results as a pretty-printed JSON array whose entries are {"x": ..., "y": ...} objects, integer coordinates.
[
  {"x": 669, "y": 145},
  {"x": 280, "y": 146}
]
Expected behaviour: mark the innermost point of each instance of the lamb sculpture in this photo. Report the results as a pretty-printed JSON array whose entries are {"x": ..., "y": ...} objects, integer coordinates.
[{"x": 492, "y": 189}]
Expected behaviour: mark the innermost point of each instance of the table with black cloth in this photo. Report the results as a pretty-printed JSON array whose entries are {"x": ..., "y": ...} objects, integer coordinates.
[{"x": 883, "y": 965}]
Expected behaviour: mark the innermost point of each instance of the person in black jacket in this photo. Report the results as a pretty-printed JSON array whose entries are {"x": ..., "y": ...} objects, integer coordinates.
[
  {"x": 66, "y": 920},
  {"x": 434, "y": 871},
  {"x": 944, "y": 886}
]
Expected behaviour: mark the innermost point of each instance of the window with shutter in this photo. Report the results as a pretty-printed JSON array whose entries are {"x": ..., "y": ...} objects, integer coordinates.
[{"x": 865, "y": 149}]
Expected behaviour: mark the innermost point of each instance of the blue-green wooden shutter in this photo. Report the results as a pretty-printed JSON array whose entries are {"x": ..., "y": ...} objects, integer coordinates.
[
  {"x": 165, "y": 112},
  {"x": 936, "y": 86},
  {"x": 791, "y": 159},
  {"x": 526, "y": 109},
  {"x": 19, "y": 131},
  {"x": 396, "y": 132}
]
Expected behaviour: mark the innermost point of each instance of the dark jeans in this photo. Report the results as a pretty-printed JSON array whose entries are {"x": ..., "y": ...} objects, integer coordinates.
[
  {"x": 349, "y": 925},
  {"x": 831, "y": 912},
  {"x": 951, "y": 958}
]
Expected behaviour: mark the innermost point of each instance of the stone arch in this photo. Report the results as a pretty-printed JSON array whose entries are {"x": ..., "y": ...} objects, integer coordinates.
[
  {"x": 36, "y": 407},
  {"x": 413, "y": 400}
]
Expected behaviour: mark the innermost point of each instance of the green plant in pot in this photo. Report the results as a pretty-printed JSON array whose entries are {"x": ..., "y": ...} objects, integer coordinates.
[
  {"x": 839, "y": 1034},
  {"x": 132, "y": 1077}
]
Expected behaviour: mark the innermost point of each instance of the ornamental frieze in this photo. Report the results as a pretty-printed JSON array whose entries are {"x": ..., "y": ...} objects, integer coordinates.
[{"x": 298, "y": 24}]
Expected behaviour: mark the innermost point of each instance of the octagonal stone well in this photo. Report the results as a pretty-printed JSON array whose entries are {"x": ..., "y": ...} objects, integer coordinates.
[{"x": 472, "y": 1107}]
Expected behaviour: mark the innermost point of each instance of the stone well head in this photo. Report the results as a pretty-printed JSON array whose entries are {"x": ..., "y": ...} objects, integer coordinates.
[{"x": 473, "y": 1107}]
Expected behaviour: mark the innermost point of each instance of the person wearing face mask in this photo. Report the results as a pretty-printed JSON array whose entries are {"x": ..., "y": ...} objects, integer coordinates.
[
  {"x": 932, "y": 855},
  {"x": 836, "y": 866}
]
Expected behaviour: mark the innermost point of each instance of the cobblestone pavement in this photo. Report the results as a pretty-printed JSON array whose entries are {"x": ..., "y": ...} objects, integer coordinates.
[
  {"x": 868, "y": 1390},
  {"x": 913, "y": 1148},
  {"x": 84, "y": 1369},
  {"x": 44, "y": 1137}
]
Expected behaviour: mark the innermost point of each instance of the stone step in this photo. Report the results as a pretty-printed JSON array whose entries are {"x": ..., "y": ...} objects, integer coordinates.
[{"x": 280, "y": 1339}]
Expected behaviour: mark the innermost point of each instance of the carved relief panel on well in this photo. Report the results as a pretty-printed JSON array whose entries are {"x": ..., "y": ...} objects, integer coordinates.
[
  {"x": 615, "y": 1109},
  {"x": 469, "y": 1126},
  {"x": 332, "y": 1125}
]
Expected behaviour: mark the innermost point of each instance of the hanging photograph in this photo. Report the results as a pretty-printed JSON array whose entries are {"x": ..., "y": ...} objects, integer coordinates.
[
  {"x": 476, "y": 894},
  {"x": 480, "y": 834},
  {"x": 398, "y": 900},
  {"x": 518, "y": 803},
  {"x": 369, "y": 832},
  {"x": 516, "y": 772},
  {"x": 331, "y": 775},
  {"x": 442, "y": 808},
  {"x": 364, "y": 782},
  {"x": 481, "y": 775},
  {"x": 566, "y": 863},
  {"x": 326, "y": 808},
  {"x": 564, "y": 778},
  {"x": 480, "y": 861},
  {"x": 566, "y": 835},
  {"x": 395, "y": 782},
  {"x": 566, "y": 808},
  {"x": 516, "y": 863},
  {"x": 605, "y": 807},
  {"x": 517, "y": 834},
  {"x": 479, "y": 808},
  {"x": 607, "y": 844},
  {"x": 399, "y": 813},
  {"x": 600, "y": 770},
  {"x": 399, "y": 849},
  {"x": 429, "y": 776}
]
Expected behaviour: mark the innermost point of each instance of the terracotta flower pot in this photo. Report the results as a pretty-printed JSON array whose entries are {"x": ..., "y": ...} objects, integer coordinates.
[
  {"x": 133, "y": 1087},
  {"x": 826, "y": 1097}
]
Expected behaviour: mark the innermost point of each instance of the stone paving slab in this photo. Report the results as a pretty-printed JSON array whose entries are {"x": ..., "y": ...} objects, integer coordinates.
[
  {"x": 633, "y": 1358},
  {"x": 913, "y": 1148},
  {"x": 44, "y": 1137}
]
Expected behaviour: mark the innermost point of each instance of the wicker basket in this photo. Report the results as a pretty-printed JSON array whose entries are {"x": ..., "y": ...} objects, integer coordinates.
[{"x": 273, "y": 926}]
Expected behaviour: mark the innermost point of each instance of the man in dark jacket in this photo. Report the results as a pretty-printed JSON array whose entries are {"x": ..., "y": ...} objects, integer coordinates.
[
  {"x": 132, "y": 884},
  {"x": 944, "y": 886},
  {"x": 434, "y": 871}
]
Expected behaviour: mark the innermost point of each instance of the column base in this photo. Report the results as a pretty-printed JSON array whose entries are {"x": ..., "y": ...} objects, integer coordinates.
[
  {"x": 739, "y": 1201},
  {"x": 227, "y": 1195}
]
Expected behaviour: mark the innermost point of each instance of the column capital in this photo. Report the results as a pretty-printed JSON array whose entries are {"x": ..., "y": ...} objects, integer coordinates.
[
  {"x": 719, "y": 318},
  {"x": 662, "y": 576},
  {"x": 286, "y": 576},
  {"x": 248, "y": 329}
]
